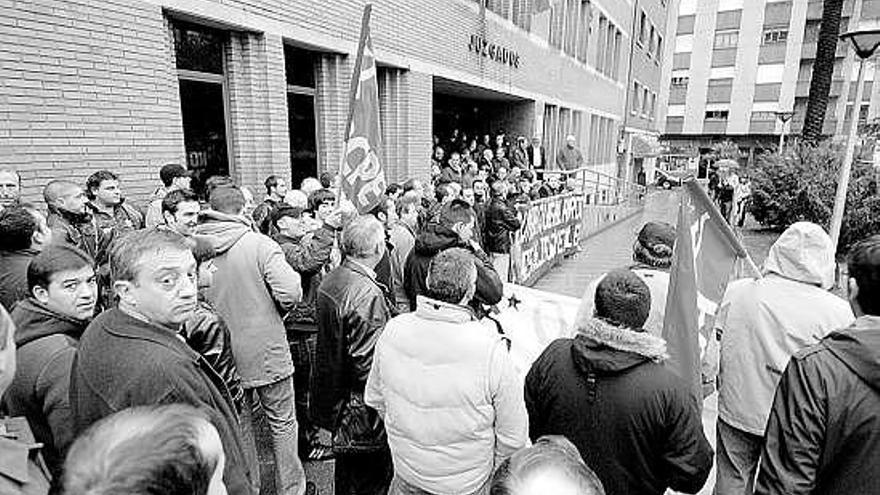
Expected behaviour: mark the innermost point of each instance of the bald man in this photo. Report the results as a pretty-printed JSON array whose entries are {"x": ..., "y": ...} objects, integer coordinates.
[
  {"x": 71, "y": 222},
  {"x": 569, "y": 157}
]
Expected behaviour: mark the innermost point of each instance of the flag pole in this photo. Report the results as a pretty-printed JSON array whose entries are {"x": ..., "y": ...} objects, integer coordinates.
[
  {"x": 353, "y": 88},
  {"x": 699, "y": 195}
]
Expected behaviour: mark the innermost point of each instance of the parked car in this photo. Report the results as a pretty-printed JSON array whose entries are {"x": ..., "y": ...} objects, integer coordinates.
[{"x": 669, "y": 178}]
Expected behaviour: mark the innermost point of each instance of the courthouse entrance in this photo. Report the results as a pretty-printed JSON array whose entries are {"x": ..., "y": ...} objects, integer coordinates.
[{"x": 476, "y": 111}]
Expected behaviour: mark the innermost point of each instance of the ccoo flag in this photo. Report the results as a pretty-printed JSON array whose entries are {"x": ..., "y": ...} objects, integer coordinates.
[
  {"x": 362, "y": 173},
  {"x": 705, "y": 252}
]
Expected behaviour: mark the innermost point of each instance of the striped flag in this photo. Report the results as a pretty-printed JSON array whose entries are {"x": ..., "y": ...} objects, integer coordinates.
[
  {"x": 362, "y": 171},
  {"x": 705, "y": 252}
]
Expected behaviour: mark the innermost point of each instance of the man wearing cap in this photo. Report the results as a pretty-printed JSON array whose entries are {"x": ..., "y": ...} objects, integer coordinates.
[
  {"x": 762, "y": 323},
  {"x": 308, "y": 251},
  {"x": 652, "y": 254},
  {"x": 174, "y": 177},
  {"x": 569, "y": 157}
]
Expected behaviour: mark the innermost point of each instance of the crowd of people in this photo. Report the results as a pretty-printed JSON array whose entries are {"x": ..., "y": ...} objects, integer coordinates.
[{"x": 140, "y": 345}]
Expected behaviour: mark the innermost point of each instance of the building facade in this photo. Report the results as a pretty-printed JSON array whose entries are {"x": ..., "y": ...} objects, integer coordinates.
[
  {"x": 250, "y": 88},
  {"x": 738, "y": 65},
  {"x": 641, "y": 125}
]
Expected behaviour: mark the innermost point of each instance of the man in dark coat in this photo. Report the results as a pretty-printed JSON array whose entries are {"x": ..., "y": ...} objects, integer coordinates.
[
  {"x": 132, "y": 355},
  {"x": 823, "y": 435},
  {"x": 23, "y": 233},
  {"x": 49, "y": 324},
  {"x": 607, "y": 391},
  {"x": 352, "y": 311},
  {"x": 309, "y": 254},
  {"x": 501, "y": 222},
  {"x": 454, "y": 227}
]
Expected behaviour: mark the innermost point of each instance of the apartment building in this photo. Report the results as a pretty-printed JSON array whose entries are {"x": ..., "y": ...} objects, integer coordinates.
[
  {"x": 739, "y": 65},
  {"x": 251, "y": 88}
]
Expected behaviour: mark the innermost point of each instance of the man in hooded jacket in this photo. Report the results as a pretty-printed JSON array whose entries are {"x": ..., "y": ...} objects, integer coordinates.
[
  {"x": 762, "y": 323},
  {"x": 606, "y": 390},
  {"x": 49, "y": 324},
  {"x": 253, "y": 286},
  {"x": 454, "y": 227},
  {"x": 823, "y": 433}
]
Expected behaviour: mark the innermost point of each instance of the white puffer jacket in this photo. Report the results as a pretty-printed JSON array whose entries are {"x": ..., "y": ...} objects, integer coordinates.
[{"x": 452, "y": 404}]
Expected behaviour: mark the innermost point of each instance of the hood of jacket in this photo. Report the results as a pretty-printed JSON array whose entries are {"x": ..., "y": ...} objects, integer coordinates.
[
  {"x": 222, "y": 230},
  {"x": 607, "y": 349},
  {"x": 33, "y": 321},
  {"x": 69, "y": 216},
  {"x": 436, "y": 238},
  {"x": 803, "y": 253},
  {"x": 858, "y": 346}
]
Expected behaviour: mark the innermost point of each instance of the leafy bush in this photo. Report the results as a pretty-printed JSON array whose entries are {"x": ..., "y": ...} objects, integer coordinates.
[{"x": 799, "y": 185}]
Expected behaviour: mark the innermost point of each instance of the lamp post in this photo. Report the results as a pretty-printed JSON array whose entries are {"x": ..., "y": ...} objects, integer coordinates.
[
  {"x": 864, "y": 41},
  {"x": 784, "y": 116}
]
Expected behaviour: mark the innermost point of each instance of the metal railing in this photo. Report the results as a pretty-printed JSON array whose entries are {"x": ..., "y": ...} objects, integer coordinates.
[{"x": 601, "y": 189}]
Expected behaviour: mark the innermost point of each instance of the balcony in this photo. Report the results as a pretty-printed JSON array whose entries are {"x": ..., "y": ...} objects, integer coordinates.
[
  {"x": 762, "y": 127},
  {"x": 809, "y": 50},
  {"x": 714, "y": 126}
]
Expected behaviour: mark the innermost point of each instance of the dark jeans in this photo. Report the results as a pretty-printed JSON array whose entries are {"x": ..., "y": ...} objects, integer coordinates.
[
  {"x": 736, "y": 459},
  {"x": 302, "y": 348},
  {"x": 364, "y": 474}
]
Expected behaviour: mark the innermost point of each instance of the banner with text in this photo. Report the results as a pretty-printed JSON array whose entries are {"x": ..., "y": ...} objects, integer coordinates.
[{"x": 551, "y": 229}]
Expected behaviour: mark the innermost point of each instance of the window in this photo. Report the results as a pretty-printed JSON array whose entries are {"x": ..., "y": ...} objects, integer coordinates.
[
  {"x": 653, "y": 106},
  {"x": 763, "y": 116},
  {"x": 643, "y": 28},
  {"x": 717, "y": 114},
  {"x": 201, "y": 71},
  {"x": 659, "y": 47},
  {"x": 635, "y": 97},
  {"x": 646, "y": 105},
  {"x": 652, "y": 43},
  {"x": 584, "y": 30},
  {"x": 600, "y": 47},
  {"x": 572, "y": 16},
  {"x": 522, "y": 14},
  {"x": 726, "y": 39},
  {"x": 778, "y": 35},
  {"x": 557, "y": 24},
  {"x": 680, "y": 80},
  {"x": 299, "y": 67}
]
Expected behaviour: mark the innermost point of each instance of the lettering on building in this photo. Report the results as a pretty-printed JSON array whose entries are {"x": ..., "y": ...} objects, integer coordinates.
[{"x": 492, "y": 51}]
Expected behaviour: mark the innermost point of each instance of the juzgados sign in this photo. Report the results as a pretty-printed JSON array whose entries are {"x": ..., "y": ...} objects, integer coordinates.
[{"x": 492, "y": 51}]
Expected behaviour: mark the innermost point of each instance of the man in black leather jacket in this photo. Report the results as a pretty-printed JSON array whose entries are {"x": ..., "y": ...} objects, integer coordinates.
[
  {"x": 352, "y": 310},
  {"x": 501, "y": 222}
]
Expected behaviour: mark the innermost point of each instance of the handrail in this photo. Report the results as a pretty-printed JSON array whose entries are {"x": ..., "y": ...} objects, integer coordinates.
[{"x": 600, "y": 188}]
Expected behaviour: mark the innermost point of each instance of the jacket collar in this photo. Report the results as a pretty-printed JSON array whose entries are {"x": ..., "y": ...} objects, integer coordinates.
[
  {"x": 137, "y": 328},
  {"x": 598, "y": 333},
  {"x": 432, "y": 309},
  {"x": 360, "y": 268}
]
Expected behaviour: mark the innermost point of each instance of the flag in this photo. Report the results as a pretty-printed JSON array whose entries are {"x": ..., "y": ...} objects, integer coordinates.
[
  {"x": 531, "y": 319},
  {"x": 362, "y": 171},
  {"x": 705, "y": 252}
]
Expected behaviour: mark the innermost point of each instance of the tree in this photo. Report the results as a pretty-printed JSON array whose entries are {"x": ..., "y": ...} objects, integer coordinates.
[{"x": 823, "y": 69}]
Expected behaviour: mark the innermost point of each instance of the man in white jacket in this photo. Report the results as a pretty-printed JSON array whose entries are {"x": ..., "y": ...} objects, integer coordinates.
[
  {"x": 446, "y": 388},
  {"x": 762, "y": 323}
]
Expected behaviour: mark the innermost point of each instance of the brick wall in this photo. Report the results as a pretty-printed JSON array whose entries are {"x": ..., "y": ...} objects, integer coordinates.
[
  {"x": 89, "y": 84},
  {"x": 258, "y": 109},
  {"x": 86, "y": 86}
]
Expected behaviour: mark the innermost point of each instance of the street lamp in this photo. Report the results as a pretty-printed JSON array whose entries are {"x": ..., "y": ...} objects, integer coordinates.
[
  {"x": 784, "y": 116},
  {"x": 865, "y": 41}
]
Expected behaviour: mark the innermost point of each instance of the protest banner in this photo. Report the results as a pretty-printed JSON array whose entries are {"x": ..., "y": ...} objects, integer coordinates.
[{"x": 551, "y": 229}]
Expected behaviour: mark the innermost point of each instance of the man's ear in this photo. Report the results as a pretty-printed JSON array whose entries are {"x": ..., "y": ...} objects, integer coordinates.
[
  {"x": 852, "y": 291},
  {"x": 40, "y": 294},
  {"x": 123, "y": 289}
]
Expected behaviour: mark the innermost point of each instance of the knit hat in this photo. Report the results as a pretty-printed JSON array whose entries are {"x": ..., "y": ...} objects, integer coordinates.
[
  {"x": 654, "y": 245},
  {"x": 623, "y": 299}
]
